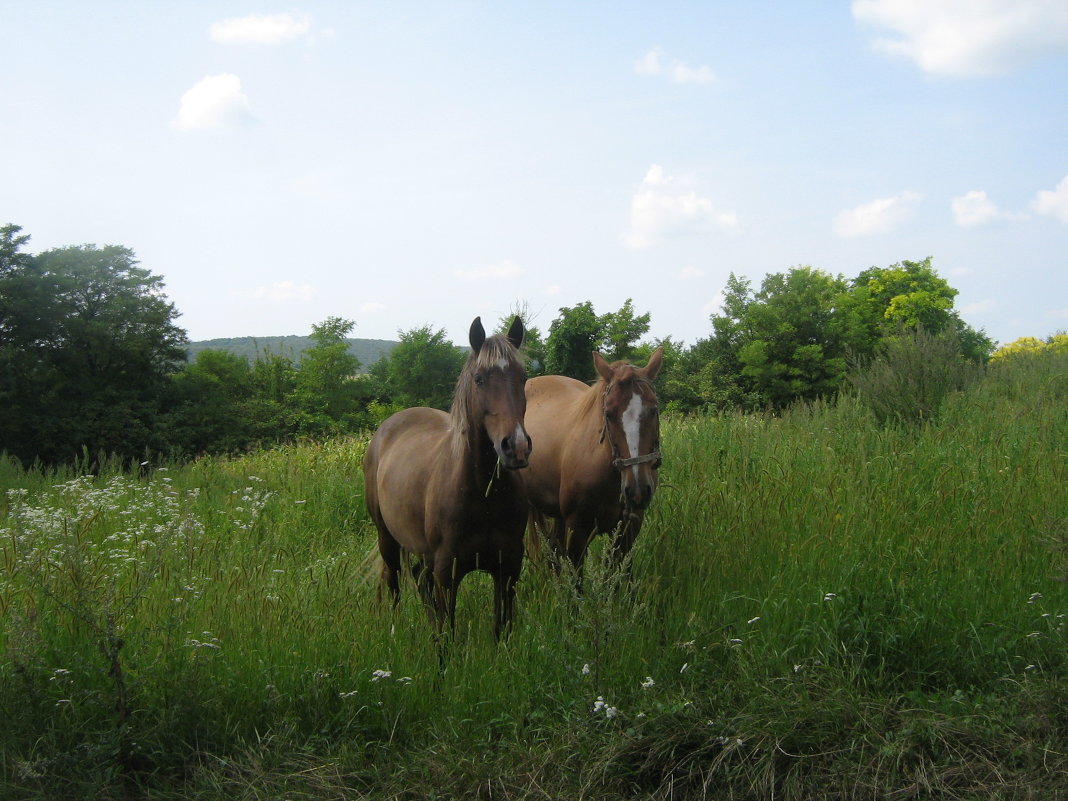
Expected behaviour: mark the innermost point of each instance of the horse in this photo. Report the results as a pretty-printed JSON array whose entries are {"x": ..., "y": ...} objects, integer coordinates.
[
  {"x": 595, "y": 468},
  {"x": 435, "y": 490}
]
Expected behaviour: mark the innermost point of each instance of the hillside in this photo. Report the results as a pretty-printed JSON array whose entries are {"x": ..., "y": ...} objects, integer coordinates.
[{"x": 368, "y": 351}]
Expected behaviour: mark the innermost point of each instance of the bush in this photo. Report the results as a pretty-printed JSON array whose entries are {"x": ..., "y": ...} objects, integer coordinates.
[{"x": 912, "y": 375}]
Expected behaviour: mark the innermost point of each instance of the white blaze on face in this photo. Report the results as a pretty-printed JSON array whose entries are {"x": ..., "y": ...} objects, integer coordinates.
[{"x": 632, "y": 426}]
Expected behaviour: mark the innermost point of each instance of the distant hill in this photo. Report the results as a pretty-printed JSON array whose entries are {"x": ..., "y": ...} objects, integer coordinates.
[{"x": 368, "y": 351}]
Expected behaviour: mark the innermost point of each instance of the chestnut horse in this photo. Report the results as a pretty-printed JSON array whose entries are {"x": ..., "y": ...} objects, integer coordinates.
[
  {"x": 598, "y": 452},
  {"x": 435, "y": 490}
]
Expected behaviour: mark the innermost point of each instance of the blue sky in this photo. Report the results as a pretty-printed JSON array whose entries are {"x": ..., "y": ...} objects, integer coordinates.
[{"x": 402, "y": 164}]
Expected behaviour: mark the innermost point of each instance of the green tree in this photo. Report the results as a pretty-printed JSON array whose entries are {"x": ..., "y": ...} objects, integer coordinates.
[
  {"x": 90, "y": 344},
  {"x": 212, "y": 405},
  {"x": 420, "y": 371},
  {"x": 579, "y": 330},
  {"x": 326, "y": 389},
  {"x": 533, "y": 342},
  {"x": 909, "y": 295}
]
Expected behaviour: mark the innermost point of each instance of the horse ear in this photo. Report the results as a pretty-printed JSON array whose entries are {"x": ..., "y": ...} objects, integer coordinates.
[
  {"x": 477, "y": 335},
  {"x": 515, "y": 333},
  {"x": 604, "y": 369},
  {"x": 652, "y": 368}
]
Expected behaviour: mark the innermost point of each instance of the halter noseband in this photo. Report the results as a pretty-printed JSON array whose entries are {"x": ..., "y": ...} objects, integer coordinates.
[{"x": 618, "y": 462}]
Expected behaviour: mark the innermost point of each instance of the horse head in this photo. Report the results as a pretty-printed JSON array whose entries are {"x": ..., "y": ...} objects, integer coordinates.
[
  {"x": 496, "y": 400},
  {"x": 632, "y": 426}
]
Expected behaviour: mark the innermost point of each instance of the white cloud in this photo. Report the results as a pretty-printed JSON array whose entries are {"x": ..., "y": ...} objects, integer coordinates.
[
  {"x": 552, "y": 289},
  {"x": 503, "y": 269},
  {"x": 716, "y": 304},
  {"x": 967, "y": 38},
  {"x": 688, "y": 273},
  {"x": 1054, "y": 203},
  {"x": 974, "y": 209},
  {"x": 878, "y": 217},
  {"x": 281, "y": 291},
  {"x": 214, "y": 102},
  {"x": 652, "y": 63},
  {"x": 664, "y": 206},
  {"x": 372, "y": 307},
  {"x": 260, "y": 29}
]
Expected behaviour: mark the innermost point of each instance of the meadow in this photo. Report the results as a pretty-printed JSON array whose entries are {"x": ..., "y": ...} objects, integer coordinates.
[{"x": 819, "y": 606}]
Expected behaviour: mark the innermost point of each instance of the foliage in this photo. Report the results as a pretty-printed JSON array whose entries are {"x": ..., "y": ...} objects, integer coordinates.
[
  {"x": 420, "y": 371},
  {"x": 88, "y": 345},
  {"x": 1030, "y": 346},
  {"x": 578, "y": 331},
  {"x": 790, "y": 340},
  {"x": 912, "y": 375},
  {"x": 802, "y": 622}
]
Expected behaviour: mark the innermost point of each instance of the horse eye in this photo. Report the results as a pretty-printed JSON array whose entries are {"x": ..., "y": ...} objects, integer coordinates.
[{"x": 479, "y": 380}]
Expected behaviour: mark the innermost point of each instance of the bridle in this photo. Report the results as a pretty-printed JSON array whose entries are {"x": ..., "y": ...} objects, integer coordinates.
[{"x": 618, "y": 462}]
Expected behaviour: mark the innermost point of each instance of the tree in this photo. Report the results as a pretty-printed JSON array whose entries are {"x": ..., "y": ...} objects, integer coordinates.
[
  {"x": 579, "y": 330},
  {"x": 533, "y": 343},
  {"x": 421, "y": 370},
  {"x": 909, "y": 295},
  {"x": 89, "y": 344},
  {"x": 326, "y": 389}
]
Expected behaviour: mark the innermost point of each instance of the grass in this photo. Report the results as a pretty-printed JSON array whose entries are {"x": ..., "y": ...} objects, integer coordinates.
[{"x": 822, "y": 607}]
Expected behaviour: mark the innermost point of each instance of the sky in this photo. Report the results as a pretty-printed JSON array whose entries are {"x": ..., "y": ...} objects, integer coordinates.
[{"x": 402, "y": 164}]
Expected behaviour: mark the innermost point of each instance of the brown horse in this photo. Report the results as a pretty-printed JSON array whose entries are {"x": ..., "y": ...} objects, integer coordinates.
[
  {"x": 435, "y": 490},
  {"x": 598, "y": 452}
]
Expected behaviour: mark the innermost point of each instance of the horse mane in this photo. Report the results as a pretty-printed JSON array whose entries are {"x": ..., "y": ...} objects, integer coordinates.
[{"x": 494, "y": 349}]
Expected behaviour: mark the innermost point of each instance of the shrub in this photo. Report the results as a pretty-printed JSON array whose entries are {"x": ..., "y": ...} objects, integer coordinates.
[{"x": 912, "y": 375}]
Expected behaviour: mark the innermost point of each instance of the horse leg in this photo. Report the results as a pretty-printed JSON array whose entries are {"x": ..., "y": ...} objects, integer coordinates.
[
  {"x": 505, "y": 579},
  {"x": 390, "y": 550}
]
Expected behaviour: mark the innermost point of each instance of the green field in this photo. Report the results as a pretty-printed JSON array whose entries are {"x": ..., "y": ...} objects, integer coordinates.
[{"x": 820, "y": 608}]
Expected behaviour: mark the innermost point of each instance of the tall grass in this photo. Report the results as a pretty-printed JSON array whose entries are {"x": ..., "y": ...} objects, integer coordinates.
[{"x": 822, "y": 606}]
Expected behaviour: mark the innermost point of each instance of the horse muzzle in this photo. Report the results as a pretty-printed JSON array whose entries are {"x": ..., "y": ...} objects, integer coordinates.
[{"x": 514, "y": 450}]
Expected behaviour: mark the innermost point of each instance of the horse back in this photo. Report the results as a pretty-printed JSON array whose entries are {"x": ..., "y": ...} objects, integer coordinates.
[
  {"x": 564, "y": 423},
  {"x": 402, "y": 462}
]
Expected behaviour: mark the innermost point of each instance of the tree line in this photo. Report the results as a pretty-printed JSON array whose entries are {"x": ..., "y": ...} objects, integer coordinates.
[{"x": 92, "y": 362}]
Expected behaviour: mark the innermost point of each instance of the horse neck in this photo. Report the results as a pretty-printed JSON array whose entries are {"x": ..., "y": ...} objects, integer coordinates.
[{"x": 473, "y": 453}]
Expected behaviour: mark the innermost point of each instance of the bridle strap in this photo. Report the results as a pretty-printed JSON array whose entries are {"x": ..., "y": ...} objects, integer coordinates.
[{"x": 620, "y": 464}]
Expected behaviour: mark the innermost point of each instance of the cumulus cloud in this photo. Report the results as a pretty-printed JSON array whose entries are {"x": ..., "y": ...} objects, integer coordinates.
[
  {"x": 503, "y": 269},
  {"x": 974, "y": 209},
  {"x": 282, "y": 291},
  {"x": 968, "y": 38},
  {"x": 878, "y": 217},
  {"x": 1053, "y": 203},
  {"x": 216, "y": 101},
  {"x": 666, "y": 206},
  {"x": 552, "y": 289},
  {"x": 653, "y": 63},
  {"x": 688, "y": 273},
  {"x": 260, "y": 29}
]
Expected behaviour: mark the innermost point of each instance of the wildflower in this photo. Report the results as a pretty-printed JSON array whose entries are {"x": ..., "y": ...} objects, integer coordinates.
[
  {"x": 381, "y": 674},
  {"x": 648, "y": 682},
  {"x": 735, "y": 642},
  {"x": 404, "y": 680},
  {"x": 830, "y": 596},
  {"x": 349, "y": 694},
  {"x": 753, "y": 620},
  {"x": 598, "y": 705},
  {"x": 685, "y": 667},
  {"x": 610, "y": 712},
  {"x": 586, "y": 670},
  {"x": 1035, "y": 596}
]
